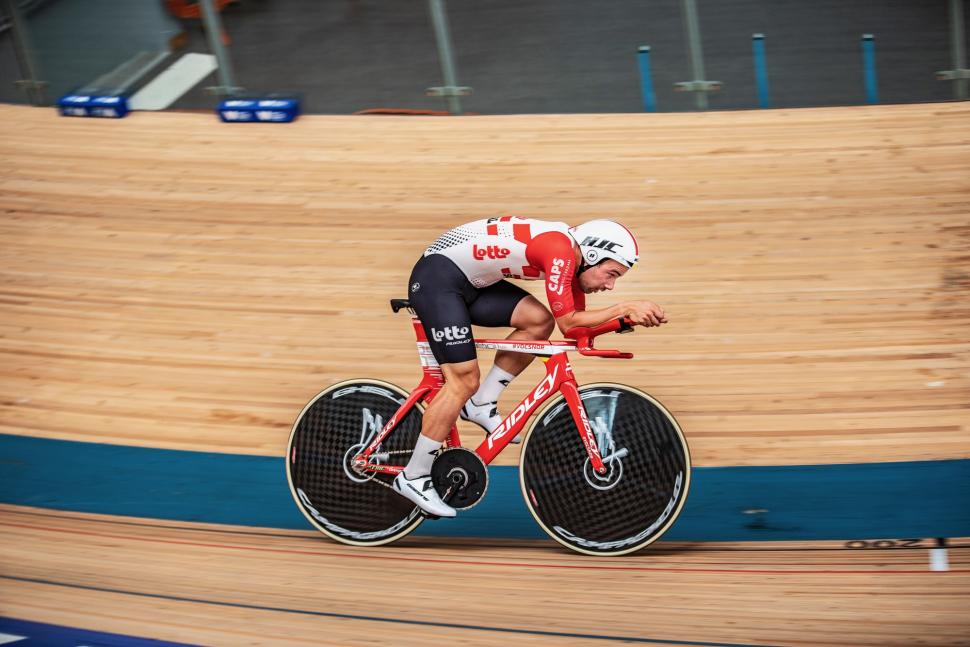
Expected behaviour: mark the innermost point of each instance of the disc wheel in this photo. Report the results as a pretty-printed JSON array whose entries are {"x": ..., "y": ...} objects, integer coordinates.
[
  {"x": 643, "y": 489},
  {"x": 357, "y": 508}
]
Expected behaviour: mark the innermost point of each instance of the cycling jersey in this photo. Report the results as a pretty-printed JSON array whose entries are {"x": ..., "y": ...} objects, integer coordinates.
[
  {"x": 487, "y": 251},
  {"x": 459, "y": 281}
]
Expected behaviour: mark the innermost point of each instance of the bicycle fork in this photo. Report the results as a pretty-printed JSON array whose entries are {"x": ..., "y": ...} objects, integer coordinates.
[
  {"x": 565, "y": 383},
  {"x": 571, "y": 392}
]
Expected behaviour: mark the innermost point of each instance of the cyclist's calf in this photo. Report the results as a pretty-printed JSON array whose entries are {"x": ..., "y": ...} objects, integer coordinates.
[{"x": 461, "y": 381}]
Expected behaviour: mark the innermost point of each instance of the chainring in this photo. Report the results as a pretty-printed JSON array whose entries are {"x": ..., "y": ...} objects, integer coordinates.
[{"x": 460, "y": 477}]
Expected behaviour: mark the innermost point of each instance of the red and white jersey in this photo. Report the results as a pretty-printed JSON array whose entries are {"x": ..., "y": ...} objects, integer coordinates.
[{"x": 488, "y": 251}]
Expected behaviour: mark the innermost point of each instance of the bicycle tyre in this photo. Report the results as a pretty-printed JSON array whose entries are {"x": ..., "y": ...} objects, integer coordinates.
[
  {"x": 638, "y": 500},
  {"x": 344, "y": 505}
]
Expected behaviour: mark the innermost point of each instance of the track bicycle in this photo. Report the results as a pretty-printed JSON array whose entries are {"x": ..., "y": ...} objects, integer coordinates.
[{"x": 604, "y": 467}]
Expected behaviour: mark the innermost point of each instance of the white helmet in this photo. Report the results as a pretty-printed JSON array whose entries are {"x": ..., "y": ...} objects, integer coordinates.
[{"x": 602, "y": 239}]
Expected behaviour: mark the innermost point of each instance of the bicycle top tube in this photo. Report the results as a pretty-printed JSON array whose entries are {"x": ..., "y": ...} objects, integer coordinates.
[{"x": 578, "y": 339}]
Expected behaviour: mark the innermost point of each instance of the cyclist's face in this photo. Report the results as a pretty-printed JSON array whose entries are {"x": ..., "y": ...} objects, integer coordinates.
[{"x": 601, "y": 277}]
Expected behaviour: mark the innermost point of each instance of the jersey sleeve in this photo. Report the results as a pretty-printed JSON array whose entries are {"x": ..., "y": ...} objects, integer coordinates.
[
  {"x": 579, "y": 297},
  {"x": 552, "y": 253}
]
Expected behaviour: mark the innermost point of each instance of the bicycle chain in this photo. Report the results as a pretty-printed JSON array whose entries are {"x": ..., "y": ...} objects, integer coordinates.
[{"x": 372, "y": 476}]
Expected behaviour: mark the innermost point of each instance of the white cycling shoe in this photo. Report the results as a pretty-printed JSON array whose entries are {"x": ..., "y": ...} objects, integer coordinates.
[
  {"x": 485, "y": 416},
  {"x": 421, "y": 492}
]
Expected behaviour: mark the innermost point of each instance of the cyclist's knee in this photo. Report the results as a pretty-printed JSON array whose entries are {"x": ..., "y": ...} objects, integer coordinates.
[
  {"x": 545, "y": 328},
  {"x": 463, "y": 376},
  {"x": 540, "y": 325},
  {"x": 533, "y": 318}
]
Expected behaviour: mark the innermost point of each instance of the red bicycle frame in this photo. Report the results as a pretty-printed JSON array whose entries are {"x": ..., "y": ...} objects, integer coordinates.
[{"x": 559, "y": 378}]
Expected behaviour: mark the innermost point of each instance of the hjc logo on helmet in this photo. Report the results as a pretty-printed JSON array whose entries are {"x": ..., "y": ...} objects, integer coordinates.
[
  {"x": 593, "y": 241},
  {"x": 491, "y": 251}
]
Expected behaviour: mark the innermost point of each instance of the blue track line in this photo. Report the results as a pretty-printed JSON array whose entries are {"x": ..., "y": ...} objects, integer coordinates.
[
  {"x": 24, "y": 633},
  {"x": 348, "y": 616},
  {"x": 793, "y": 502}
]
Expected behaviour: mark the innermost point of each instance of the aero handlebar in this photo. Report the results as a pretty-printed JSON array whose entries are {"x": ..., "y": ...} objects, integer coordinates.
[{"x": 583, "y": 336}]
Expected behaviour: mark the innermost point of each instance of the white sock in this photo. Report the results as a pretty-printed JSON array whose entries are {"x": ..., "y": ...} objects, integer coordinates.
[
  {"x": 424, "y": 454},
  {"x": 492, "y": 386}
]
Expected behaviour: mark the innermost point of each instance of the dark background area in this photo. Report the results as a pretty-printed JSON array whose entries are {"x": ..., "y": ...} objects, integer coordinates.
[{"x": 542, "y": 56}]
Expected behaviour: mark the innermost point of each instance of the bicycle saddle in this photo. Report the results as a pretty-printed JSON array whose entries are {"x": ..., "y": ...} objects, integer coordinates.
[{"x": 397, "y": 304}]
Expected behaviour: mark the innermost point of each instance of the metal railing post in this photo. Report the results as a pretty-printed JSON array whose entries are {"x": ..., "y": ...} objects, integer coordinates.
[
  {"x": 451, "y": 90},
  {"x": 958, "y": 51},
  {"x": 213, "y": 32},
  {"x": 699, "y": 84},
  {"x": 22, "y": 47}
]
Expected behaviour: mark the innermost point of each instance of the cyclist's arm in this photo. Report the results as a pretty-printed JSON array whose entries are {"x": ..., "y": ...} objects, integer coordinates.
[
  {"x": 589, "y": 318},
  {"x": 553, "y": 253},
  {"x": 644, "y": 313}
]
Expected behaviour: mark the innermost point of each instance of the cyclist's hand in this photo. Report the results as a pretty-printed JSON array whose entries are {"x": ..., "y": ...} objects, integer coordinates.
[{"x": 645, "y": 313}]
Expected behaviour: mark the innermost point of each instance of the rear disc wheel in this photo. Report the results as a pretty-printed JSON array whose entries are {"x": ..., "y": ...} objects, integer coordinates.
[{"x": 353, "y": 507}]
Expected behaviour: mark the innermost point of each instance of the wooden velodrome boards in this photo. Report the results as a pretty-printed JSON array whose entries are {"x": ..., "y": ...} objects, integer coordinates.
[{"x": 170, "y": 281}]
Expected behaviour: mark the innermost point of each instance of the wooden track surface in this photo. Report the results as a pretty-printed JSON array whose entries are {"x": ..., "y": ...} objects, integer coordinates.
[
  {"x": 229, "y": 586},
  {"x": 167, "y": 280}
]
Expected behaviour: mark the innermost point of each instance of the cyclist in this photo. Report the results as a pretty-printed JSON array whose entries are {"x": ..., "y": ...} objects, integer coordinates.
[{"x": 460, "y": 281}]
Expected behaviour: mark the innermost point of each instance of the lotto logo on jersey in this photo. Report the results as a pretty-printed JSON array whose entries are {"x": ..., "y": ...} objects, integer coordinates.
[
  {"x": 555, "y": 276},
  {"x": 492, "y": 251},
  {"x": 453, "y": 334}
]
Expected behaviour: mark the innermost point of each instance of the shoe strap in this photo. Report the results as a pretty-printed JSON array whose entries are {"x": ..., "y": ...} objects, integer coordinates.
[{"x": 472, "y": 400}]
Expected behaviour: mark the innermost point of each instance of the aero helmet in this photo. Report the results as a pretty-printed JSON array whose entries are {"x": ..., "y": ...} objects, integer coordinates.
[{"x": 602, "y": 239}]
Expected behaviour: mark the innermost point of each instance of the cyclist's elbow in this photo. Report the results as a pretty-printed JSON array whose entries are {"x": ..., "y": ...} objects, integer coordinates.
[{"x": 566, "y": 322}]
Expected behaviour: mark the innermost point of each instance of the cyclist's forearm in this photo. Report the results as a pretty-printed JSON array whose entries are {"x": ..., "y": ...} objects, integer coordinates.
[{"x": 589, "y": 318}]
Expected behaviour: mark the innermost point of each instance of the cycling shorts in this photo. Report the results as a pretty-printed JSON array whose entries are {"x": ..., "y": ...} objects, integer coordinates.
[{"x": 448, "y": 304}]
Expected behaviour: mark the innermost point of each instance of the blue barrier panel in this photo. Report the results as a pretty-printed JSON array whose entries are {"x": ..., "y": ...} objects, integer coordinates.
[
  {"x": 81, "y": 105},
  {"x": 869, "y": 66},
  {"x": 265, "y": 109},
  {"x": 855, "y": 501},
  {"x": 646, "y": 80},
  {"x": 760, "y": 70}
]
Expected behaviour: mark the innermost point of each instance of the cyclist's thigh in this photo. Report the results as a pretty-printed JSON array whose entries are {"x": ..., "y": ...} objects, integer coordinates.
[
  {"x": 495, "y": 304},
  {"x": 438, "y": 292}
]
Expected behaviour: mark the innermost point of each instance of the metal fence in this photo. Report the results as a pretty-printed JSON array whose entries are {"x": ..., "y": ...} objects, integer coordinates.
[{"x": 493, "y": 57}]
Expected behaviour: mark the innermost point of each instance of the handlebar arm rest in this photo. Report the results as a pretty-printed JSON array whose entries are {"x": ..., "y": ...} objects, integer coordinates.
[
  {"x": 584, "y": 336},
  {"x": 596, "y": 352}
]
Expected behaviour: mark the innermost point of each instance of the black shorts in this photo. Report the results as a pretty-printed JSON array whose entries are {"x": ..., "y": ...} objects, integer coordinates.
[{"x": 448, "y": 304}]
